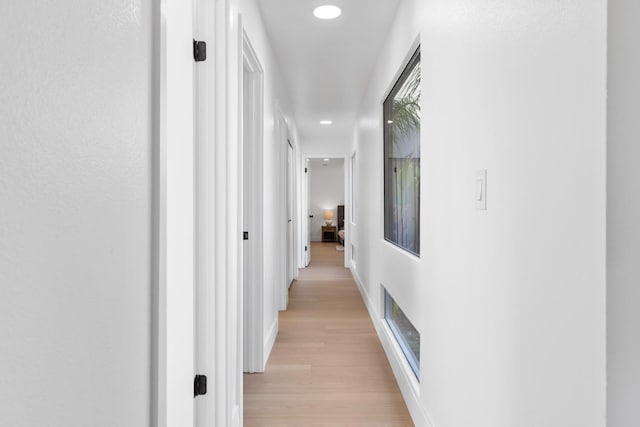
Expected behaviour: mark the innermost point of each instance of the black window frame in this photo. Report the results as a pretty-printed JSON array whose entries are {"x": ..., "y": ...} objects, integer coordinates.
[{"x": 387, "y": 112}]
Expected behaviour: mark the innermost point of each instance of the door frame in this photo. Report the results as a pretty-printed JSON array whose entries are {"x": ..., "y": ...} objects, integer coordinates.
[
  {"x": 284, "y": 140},
  {"x": 305, "y": 236},
  {"x": 290, "y": 197},
  {"x": 347, "y": 202},
  {"x": 197, "y": 303},
  {"x": 218, "y": 203},
  {"x": 174, "y": 202},
  {"x": 252, "y": 208}
]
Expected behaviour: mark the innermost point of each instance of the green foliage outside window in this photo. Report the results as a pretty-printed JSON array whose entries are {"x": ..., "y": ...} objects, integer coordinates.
[{"x": 402, "y": 159}]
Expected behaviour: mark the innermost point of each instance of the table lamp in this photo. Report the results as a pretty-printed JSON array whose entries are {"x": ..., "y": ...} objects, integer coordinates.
[{"x": 328, "y": 216}]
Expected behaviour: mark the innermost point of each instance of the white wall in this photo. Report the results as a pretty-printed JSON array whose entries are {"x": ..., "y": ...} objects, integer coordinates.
[
  {"x": 623, "y": 245},
  {"x": 510, "y": 302},
  {"x": 76, "y": 258},
  {"x": 327, "y": 192}
]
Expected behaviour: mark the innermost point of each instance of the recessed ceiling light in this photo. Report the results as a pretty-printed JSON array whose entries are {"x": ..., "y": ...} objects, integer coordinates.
[
  {"x": 328, "y": 11},
  {"x": 325, "y": 122},
  {"x": 326, "y": 160}
]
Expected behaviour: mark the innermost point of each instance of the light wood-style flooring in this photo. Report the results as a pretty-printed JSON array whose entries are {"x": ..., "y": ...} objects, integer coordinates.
[{"x": 327, "y": 367}]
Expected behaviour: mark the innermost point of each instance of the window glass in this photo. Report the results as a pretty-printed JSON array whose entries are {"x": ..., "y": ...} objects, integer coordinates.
[
  {"x": 402, "y": 160},
  {"x": 405, "y": 333}
]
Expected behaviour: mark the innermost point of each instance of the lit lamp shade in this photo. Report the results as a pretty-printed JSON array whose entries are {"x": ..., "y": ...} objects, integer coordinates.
[{"x": 328, "y": 216}]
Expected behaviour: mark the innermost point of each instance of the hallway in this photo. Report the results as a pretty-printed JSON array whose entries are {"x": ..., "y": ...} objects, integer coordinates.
[
  {"x": 157, "y": 207},
  {"x": 327, "y": 367}
]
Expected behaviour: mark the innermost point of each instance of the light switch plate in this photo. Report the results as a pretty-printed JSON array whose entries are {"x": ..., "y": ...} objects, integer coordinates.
[{"x": 481, "y": 190}]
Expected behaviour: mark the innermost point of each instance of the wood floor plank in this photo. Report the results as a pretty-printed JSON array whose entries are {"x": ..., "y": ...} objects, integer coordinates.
[{"x": 327, "y": 367}]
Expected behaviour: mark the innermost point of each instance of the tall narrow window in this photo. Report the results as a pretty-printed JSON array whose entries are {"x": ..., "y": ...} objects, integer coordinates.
[
  {"x": 402, "y": 159},
  {"x": 405, "y": 333}
]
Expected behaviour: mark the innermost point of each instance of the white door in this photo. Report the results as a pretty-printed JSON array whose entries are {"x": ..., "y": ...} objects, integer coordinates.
[
  {"x": 290, "y": 235},
  {"x": 77, "y": 208},
  {"x": 247, "y": 220},
  {"x": 307, "y": 176}
]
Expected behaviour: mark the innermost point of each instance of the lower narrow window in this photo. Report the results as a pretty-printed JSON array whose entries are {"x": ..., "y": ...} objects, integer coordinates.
[{"x": 406, "y": 334}]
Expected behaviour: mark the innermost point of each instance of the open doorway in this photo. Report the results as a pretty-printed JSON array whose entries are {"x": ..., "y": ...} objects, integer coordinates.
[{"x": 326, "y": 205}]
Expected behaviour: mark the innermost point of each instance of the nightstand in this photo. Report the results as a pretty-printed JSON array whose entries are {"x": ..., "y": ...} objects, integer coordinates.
[{"x": 329, "y": 233}]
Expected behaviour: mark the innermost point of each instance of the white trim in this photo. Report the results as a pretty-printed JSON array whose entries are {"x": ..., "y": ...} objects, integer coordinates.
[
  {"x": 236, "y": 418},
  {"x": 363, "y": 291},
  {"x": 290, "y": 209},
  {"x": 407, "y": 382},
  {"x": 253, "y": 295},
  {"x": 270, "y": 342},
  {"x": 176, "y": 204},
  {"x": 207, "y": 176},
  {"x": 401, "y": 251},
  {"x": 347, "y": 202},
  {"x": 282, "y": 144},
  {"x": 296, "y": 211},
  {"x": 305, "y": 232},
  {"x": 353, "y": 191},
  {"x": 218, "y": 227},
  {"x": 159, "y": 234}
]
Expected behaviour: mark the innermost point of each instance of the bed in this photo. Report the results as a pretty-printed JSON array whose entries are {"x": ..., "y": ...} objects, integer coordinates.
[{"x": 341, "y": 231}]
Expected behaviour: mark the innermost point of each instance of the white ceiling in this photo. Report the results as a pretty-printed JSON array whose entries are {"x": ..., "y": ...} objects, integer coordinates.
[{"x": 326, "y": 64}]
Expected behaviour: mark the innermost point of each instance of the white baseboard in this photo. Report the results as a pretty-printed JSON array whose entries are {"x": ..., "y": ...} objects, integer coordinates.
[
  {"x": 363, "y": 291},
  {"x": 235, "y": 416},
  {"x": 269, "y": 342},
  {"x": 396, "y": 358}
]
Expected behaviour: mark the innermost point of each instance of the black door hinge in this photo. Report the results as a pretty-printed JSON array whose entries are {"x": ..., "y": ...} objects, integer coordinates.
[
  {"x": 306, "y": 249},
  {"x": 199, "y": 50},
  {"x": 200, "y": 385},
  {"x": 245, "y": 235},
  {"x": 305, "y": 170}
]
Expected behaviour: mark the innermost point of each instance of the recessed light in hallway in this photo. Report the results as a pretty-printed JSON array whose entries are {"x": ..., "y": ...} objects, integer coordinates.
[{"x": 327, "y": 367}]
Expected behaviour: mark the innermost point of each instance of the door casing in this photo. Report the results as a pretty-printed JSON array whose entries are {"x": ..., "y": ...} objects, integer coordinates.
[
  {"x": 347, "y": 208},
  {"x": 253, "y": 258}
]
